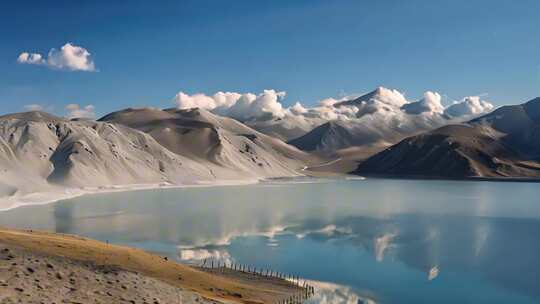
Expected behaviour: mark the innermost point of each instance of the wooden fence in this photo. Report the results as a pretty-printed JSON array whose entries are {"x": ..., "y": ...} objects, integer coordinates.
[{"x": 306, "y": 290}]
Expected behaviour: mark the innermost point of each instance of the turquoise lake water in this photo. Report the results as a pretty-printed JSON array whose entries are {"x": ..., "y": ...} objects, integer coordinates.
[{"x": 373, "y": 241}]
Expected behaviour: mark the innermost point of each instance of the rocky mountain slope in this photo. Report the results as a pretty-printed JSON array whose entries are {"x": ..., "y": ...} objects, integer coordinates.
[
  {"x": 335, "y": 135},
  {"x": 379, "y": 118},
  {"x": 146, "y": 146},
  {"x": 214, "y": 140},
  {"x": 504, "y": 143}
]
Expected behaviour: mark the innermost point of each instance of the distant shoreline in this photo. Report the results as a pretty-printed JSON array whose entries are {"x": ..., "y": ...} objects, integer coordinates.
[
  {"x": 442, "y": 178},
  {"x": 44, "y": 198}
]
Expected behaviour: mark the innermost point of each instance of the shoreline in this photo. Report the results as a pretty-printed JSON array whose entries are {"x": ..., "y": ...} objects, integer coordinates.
[
  {"x": 457, "y": 179},
  {"x": 49, "y": 197},
  {"x": 58, "y": 193}
]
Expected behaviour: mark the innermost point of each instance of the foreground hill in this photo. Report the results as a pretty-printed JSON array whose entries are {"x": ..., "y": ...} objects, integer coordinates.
[
  {"x": 42, "y": 267},
  {"x": 504, "y": 143}
]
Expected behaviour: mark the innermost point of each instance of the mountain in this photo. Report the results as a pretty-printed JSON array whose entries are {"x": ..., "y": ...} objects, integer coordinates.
[
  {"x": 375, "y": 129},
  {"x": 335, "y": 135},
  {"x": 39, "y": 151},
  {"x": 376, "y": 119},
  {"x": 358, "y": 101},
  {"x": 379, "y": 118},
  {"x": 206, "y": 137},
  {"x": 285, "y": 128},
  {"x": 504, "y": 143},
  {"x": 519, "y": 125}
]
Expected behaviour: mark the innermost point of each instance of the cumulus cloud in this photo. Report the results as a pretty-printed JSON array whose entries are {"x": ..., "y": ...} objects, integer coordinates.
[
  {"x": 74, "y": 110},
  {"x": 240, "y": 106},
  {"x": 388, "y": 96},
  {"x": 69, "y": 57},
  {"x": 185, "y": 101},
  {"x": 370, "y": 114},
  {"x": 30, "y": 58},
  {"x": 379, "y": 100},
  {"x": 468, "y": 106},
  {"x": 430, "y": 103},
  {"x": 328, "y": 102},
  {"x": 298, "y": 109}
]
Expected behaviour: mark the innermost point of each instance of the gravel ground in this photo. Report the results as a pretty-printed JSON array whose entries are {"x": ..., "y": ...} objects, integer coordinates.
[{"x": 26, "y": 277}]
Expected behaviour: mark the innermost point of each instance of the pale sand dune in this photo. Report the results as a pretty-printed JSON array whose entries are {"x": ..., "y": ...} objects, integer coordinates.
[
  {"x": 222, "y": 141},
  {"x": 71, "y": 266},
  {"x": 43, "y": 157}
]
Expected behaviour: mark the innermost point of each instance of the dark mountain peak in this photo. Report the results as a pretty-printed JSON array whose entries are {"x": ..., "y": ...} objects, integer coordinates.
[
  {"x": 331, "y": 125},
  {"x": 321, "y": 135},
  {"x": 503, "y": 143},
  {"x": 516, "y": 115},
  {"x": 532, "y": 107}
]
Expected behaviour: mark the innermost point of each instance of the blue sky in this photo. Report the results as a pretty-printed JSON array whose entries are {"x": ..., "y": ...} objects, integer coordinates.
[{"x": 145, "y": 53}]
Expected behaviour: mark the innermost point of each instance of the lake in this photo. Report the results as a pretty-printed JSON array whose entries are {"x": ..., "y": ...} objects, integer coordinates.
[{"x": 372, "y": 241}]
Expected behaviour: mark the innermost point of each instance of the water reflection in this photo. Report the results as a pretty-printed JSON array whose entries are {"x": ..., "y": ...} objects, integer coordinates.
[
  {"x": 64, "y": 219},
  {"x": 329, "y": 293},
  {"x": 464, "y": 246},
  {"x": 199, "y": 256},
  {"x": 375, "y": 240}
]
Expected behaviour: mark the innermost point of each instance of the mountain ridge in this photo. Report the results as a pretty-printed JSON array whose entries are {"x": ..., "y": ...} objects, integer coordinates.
[
  {"x": 40, "y": 152},
  {"x": 503, "y": 143}
]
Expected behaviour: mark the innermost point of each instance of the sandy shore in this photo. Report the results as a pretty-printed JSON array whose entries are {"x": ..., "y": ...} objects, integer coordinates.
[
  {"x": 55, "y": 194},
  {"x": 42, "y": 267}
]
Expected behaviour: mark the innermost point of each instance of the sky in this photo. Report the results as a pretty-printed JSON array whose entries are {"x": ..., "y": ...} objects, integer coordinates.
[{"x": 119, "y": 54}]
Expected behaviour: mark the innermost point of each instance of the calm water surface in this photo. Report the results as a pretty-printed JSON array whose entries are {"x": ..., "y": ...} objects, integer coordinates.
[{"x": 382, "y": 241}]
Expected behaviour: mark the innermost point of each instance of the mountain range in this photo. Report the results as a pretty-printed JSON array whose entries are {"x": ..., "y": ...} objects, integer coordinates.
[
  {"x": 40, "y": 152},
  {"x": 382, "y": 134},
  {"x": 504, "y": 143},
  {"x": 379, "y": 118}
]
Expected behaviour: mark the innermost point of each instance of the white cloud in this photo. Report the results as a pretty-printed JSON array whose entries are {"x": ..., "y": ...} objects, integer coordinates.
[
  {"x": 430, "y": 103},
  {"x": 74, "y": 110},
  {"x": 30, "y": 58},
  {"x": 70, "y": 57},
  {"x": 33, "y": 107},
  {"x": 389, "y": 96},
  {"x": 185, "y": 101},
  {"x": 328, "y": 102},
  {"x": 236, "y": 105},
  {"x": 468, "y": 106},
  {"x": 377, "y": 115},
  {"x": 298, "y": 109}
]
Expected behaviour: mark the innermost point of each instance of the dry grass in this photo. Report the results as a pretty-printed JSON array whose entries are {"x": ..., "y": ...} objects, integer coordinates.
[{"x": 212, "y": 286}]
